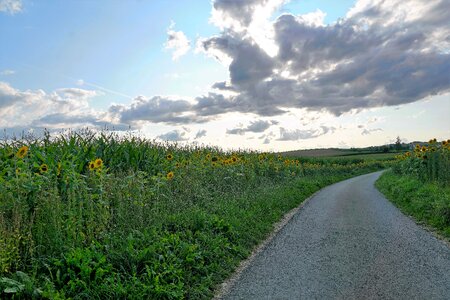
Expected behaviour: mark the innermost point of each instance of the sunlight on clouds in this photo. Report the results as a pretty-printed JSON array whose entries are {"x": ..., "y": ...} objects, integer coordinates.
[{"x": 177, "y": 42}]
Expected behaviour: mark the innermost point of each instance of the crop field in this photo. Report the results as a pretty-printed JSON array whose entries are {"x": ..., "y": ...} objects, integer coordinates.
[
  {"x": 419, "y": 184},
  {"x": 89, "y": 215}
]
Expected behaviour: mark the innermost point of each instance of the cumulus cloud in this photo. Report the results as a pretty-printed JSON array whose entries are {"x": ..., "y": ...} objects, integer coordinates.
[
  {"x": 174, "y": 136},
  {"x": 201, "y": 133},
  {"x": 254, "y": 126},
  {"x": 299, "y": 134},
  {"x": 238, "y": 14},
  {"x": 177, "y": 42},
  {"x": 157, "y": 109},
  {"x": 356, "y": 63},
  {"x": 11, "y": 6},
  {"x": 61, "y": 108}
]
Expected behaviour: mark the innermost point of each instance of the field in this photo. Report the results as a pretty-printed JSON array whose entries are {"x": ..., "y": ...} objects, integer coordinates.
[{"x": 92, "y": 215}]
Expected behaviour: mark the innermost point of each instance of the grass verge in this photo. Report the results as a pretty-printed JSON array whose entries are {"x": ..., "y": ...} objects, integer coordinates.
[{"x": 428, "y": 203}]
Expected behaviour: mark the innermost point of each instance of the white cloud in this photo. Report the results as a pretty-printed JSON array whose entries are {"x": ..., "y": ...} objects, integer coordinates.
[
  {"x": 177, "y": 42},
  {"x": 11, "y": 6},
  {"x": 62, "y": 108},
  {"x": 174, "y": 136}
]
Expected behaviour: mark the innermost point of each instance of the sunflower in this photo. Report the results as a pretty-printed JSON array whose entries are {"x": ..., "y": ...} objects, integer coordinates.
[
  {"x": 18, "y": 171},
  {"x": 214, "y": 159},
  {"x": 169, "y": 156},
  {"x": 98, "y": 163},
  {"x": 22, "y": 152},
  {"x": 43, "y": 168},
  {"x": 92, "y": 166},
  {"x": 170, "y": 175}
]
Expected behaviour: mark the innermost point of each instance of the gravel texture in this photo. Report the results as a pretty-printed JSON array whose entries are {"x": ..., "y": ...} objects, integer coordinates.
[{"x": 348, "y": 242}]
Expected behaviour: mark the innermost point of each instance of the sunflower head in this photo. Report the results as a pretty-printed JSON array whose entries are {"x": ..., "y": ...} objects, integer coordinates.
[
  {"x": 214, "y": 159},
  {"x": 22, "y": 152},
  {"x": 234, "y": 159},
  {"x": 98, "y": 163},
  {"x": 169, "y": 156},
  {"x": 92, "y": 166},
  {"x": 170, "y": 175},
  {"x": 43, "y": 168}
]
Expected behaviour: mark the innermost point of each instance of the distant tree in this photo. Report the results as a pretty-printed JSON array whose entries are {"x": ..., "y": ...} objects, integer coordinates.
[{"x": 398, "y": 144}]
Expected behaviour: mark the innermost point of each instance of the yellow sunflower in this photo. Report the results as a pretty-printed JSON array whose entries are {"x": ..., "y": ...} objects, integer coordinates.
[
  {"x": 98, "y": 163},
  {"x": 22, "y": 152},
  {"x": 92, "y": 166},
  {"x": 170, "y": 175},
  {"x": 169, "y": 156},
  {"x": 43, "y": 168}
]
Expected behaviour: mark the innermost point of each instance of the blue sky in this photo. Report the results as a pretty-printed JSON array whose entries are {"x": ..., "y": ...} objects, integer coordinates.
[{"x": 86, "y": 63}]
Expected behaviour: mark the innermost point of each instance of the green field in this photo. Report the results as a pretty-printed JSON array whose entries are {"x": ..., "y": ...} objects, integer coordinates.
[{"x": 94, "y": 216}]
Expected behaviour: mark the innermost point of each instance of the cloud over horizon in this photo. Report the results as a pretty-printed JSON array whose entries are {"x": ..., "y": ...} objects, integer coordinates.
[{"x": 382, "y": 53}]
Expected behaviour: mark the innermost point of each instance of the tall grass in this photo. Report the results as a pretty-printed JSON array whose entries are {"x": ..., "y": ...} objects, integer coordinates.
[{"x": 93, "y": 215}]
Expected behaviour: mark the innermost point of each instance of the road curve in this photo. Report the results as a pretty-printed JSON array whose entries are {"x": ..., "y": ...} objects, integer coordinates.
[{"x": 348, "y": 242}]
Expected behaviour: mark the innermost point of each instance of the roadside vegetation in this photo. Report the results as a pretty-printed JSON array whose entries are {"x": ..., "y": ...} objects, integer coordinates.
[
  {"x": 93, "y": 215},
  {"x": 419, "y": 184}
]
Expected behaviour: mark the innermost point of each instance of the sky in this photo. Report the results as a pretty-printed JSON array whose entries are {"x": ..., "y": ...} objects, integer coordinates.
[{"x": 270, "y": 75}]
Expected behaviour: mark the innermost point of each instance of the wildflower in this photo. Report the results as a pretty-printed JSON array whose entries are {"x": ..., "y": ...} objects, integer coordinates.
[
  {"x": 91, "y": 166},
  {"x": 43, "y": 168},
  {"x": 169, "y": 157},
  {"x": 170, "y": 175},
  {"x": 98, "y": 163},
  {"x": 22, "y": 152}
]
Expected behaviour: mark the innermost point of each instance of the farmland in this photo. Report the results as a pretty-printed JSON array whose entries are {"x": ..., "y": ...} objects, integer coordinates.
[
  {"x": 419, "y": 184},
  {"x": 93, "y": 215}
]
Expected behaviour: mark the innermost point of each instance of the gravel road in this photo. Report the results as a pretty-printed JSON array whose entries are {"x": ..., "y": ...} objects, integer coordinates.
[{"x": 348, "y": 242}]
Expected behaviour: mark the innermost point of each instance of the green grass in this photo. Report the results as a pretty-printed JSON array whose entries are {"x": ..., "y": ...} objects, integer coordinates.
[
  {"x": 125, "y": 229},
  {"x": 427, "y": 202}
]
